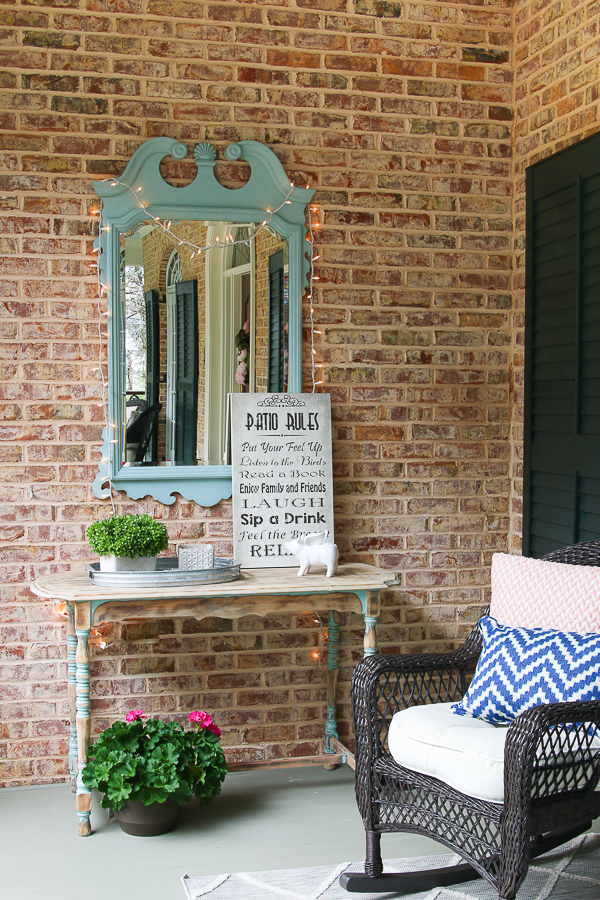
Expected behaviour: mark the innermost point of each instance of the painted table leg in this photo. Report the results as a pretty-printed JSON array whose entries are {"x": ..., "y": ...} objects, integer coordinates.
[
  {"x": 71, "y": 652},
  {"x": 333, "y": 637},
  {"x": 82, "y": 674},
  {"x": 371, "y": 614}
]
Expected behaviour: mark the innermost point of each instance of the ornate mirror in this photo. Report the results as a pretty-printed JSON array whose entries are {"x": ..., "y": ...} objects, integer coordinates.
[{"x": 204, "y": 287}]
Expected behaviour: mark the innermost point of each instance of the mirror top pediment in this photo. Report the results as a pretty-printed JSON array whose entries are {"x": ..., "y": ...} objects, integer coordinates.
[{"x": 142, "y": 183}]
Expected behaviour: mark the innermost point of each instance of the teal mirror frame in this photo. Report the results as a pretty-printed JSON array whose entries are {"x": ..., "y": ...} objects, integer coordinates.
[{"x": 205, "y": 200}]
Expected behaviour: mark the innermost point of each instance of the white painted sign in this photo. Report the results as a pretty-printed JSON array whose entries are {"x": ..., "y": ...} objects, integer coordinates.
[{"x": 281, "y": 473}]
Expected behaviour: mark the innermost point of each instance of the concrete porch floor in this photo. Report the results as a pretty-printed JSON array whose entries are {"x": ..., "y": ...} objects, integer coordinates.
[{"x": 268, "y": 820}]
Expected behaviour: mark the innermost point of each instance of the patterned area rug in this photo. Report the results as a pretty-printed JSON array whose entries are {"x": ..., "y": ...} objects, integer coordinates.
[{"x": 571, "y": 872}]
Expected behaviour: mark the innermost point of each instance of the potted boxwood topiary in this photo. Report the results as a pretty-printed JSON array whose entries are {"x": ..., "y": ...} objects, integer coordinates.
[
  {"x": 147, "y": 769},
  {"x": 127, "y": 543}
]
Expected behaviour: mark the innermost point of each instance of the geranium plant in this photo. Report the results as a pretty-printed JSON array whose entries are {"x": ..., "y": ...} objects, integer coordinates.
[
  {"x": 149, "y": 760},
  {"x": 128, "y": 535}
]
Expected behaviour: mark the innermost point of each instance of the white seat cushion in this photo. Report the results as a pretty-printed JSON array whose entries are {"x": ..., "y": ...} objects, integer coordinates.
[{"x": 466, "y": 753}]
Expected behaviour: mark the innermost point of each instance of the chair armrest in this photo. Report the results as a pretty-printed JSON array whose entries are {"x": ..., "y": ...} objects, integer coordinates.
[
  {"x": 550, "y": 750},
  {"x": 382, "y": 685}
]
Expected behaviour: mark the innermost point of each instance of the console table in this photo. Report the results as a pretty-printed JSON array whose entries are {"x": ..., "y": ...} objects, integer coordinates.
[{"x": 355, "y": 588}]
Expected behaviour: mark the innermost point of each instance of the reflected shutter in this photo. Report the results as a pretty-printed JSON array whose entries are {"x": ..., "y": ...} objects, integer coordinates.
[
  {"x": 186, "y": 400},
  {"x": 562, "y": 391}
]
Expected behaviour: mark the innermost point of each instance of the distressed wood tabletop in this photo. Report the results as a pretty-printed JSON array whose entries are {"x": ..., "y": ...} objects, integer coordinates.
[{"x": 77, "y": 587}]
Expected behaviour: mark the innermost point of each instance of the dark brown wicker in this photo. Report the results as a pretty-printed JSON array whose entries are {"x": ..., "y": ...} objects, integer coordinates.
[{"x": 542, "y": 808}]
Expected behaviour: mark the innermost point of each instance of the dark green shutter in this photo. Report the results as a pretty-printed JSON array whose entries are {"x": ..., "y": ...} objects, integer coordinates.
[
  {"x": 276, "y": 323},
  {"x": 186, "y": 402},
  {"x": 152, "y": 362},
  {"x": 562, "y": 355}
]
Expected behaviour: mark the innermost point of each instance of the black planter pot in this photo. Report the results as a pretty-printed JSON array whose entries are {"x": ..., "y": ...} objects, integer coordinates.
[{"x": 148, "y": 821}]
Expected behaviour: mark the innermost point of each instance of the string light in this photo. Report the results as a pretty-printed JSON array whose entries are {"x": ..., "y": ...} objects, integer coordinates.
[
  {"x": 182, "y": 242},
  {"x": 102, "y": 292},
  {"x": 103, "y": 635},
  {"x": 313, "y": 258},
  {"x": 318, "y": 654}
]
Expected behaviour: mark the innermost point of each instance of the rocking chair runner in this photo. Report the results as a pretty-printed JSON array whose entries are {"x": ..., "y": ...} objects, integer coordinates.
[{"x": 550, "y": 780}]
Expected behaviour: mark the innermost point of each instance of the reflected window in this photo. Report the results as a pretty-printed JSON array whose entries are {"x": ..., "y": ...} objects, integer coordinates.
[
  {"x": 238, "y": 280},
  {"x": 240, "y": 252},
  {"x": 174, "y": 271},
  {"x": 141, "y": 343}
]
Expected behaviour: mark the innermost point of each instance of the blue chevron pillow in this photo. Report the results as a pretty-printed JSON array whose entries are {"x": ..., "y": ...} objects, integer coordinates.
[{"x": 524, "y": 667}]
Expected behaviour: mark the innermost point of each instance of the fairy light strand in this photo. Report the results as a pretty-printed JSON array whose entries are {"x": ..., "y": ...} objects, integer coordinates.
[
  {"x": 183, "y": 242},
  {"x": 321, "y": 638},
  {"x": 312, "y": 279},
  {"x": 101, "y": 314}
]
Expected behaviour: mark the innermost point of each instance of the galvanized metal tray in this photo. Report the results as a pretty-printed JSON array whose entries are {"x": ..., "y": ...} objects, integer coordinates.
[{"x": 167, "y": 574}]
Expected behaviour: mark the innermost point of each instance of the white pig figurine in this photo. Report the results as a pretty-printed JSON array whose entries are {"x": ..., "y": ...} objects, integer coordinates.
[{"x": 314, "y": 550}]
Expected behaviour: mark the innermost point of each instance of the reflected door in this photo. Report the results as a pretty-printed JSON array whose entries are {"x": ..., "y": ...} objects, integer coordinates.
[
  {"x": 182, "y": 372},
  {"x": 152, "y": 362},
  {"x": 171, "y": 372},
  {"x": 173, "y": 276}
]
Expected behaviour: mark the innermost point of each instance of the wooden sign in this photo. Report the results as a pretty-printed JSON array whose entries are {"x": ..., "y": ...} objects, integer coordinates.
[{"x": 281, "y": 473}]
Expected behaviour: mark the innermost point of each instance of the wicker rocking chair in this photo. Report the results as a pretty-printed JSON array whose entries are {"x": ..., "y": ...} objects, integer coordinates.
[{"x": 550, "y": 792}]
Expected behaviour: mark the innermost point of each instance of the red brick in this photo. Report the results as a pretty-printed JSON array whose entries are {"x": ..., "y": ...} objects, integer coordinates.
[
  {"x": 293, "y": 59},
  {"x": 76, "y": 62}
]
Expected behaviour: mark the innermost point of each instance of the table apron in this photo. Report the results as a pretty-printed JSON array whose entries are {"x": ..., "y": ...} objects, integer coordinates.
[{"x": 98, "y": 612}]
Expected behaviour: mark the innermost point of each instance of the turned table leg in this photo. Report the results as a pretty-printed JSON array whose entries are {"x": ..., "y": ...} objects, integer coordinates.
[
  {"x": 371, "y": 614},
  {"x": 82, "y": 687},
  {"x": 333, "y": 637},
  {"x": 71, "y": 652}
]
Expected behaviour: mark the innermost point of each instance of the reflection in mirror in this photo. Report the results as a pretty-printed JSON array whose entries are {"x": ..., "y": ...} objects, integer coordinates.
[{"x": 197, "y": 327}]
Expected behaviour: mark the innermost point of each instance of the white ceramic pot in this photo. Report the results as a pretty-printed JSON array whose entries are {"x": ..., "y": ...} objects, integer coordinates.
[{"x": 112, "y": 563}]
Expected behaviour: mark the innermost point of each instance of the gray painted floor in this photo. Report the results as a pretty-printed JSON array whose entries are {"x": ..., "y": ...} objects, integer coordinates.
[{"x": 267, "y": 820}]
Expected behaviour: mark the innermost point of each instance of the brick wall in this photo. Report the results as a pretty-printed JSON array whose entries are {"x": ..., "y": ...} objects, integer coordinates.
[
  {"x": 557, "y": 51},
  {"x": 399, "y": 114}
]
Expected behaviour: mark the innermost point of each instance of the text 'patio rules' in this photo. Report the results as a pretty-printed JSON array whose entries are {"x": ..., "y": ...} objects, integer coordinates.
[{"x": 281, "y": 473}]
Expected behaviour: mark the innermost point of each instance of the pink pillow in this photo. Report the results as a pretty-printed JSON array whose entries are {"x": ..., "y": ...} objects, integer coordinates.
[{"x": 534, "y": 593}]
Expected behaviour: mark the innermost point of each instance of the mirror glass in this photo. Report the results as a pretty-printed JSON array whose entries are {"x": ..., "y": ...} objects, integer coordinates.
[{"x": 198, "y": 326}]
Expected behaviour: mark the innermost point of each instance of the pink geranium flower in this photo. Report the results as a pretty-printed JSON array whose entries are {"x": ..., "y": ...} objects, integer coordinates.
[
  {"x": 204, "y": 720},
  {"x": 135, "y": 715}
]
